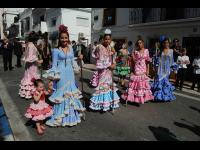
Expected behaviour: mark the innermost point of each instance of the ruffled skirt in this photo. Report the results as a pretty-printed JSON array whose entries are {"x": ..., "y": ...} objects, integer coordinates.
[
  {"x": 26, "y": 86},
  {"x": 163, "y": 90},
  {"x": 104, "y": 100},
  {"x": 122, "y": 71},
  {"x": 139, "y": 90},
  {"x": 39, "y": 111},
  {"x": 67, "y": 107}
]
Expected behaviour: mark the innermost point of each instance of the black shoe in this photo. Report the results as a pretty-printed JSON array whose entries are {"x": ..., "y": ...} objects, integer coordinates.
[
  {"x": 192, "y": 88},
  {"x": 180, "y": 88},
  {"x": 6, "y": 69}
]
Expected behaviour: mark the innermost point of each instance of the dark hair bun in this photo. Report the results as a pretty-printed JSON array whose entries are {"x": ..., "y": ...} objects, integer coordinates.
[{"x": 37, "y": 81}]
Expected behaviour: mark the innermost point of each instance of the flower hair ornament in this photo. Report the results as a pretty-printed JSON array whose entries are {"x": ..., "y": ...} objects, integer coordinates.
[
  {"x": 107, "y": 32},
  {"x": 33, "y": 80},
  {"x": 63, "y": 28}
]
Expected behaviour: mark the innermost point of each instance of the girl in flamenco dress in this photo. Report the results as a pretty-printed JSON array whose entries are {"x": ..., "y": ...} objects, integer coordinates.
[
  {"x": 139, "y": 90},
  {"x": 163, "y": 65},
  {"x": 123, "y": 64},
  {"x": 67, "y": 108},
  {"x": 105, "y": 97},
  {"x": 39, "y": 110},
  {"x": 31, "y": 68}
]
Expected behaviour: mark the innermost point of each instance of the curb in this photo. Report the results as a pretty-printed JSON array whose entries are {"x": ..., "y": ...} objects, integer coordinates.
[{"x": 20, "y": 132}]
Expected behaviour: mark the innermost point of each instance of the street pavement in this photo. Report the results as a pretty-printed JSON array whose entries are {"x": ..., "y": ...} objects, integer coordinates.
[{"x": 172, "y": 121}]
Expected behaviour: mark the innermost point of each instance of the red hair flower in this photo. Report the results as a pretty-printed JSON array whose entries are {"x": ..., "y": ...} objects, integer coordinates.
[
  {"x": 33, "y": 80},
  {"x": 63, "y": 29}
]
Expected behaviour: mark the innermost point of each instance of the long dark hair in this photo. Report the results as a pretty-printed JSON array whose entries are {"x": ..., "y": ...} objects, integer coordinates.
[
  {"x": 136, "y": 43},
  {"x": 32, "y": 37},
  {"x": 162, "y": 42},
  {"x": 63, "y": 29},
  {"x": 37, "y": 81}
]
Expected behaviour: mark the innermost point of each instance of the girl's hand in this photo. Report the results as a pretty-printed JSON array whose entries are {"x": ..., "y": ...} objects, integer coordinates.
[
  {"x": 46, "y": 92},
  {"x": 40, "y": 61},
  {"x": 112, "y": 67}
]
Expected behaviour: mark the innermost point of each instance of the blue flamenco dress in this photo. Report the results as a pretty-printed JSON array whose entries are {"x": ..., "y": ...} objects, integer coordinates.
[
  {"x": 67, "y": 108},
  {"x": 162, "y": 88}
]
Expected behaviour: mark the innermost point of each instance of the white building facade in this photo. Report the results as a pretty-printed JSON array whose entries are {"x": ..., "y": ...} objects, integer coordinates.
[
  {"x": 130, "y": 23},
  {"x": 127, "y": 24},
  {"x": 78, "y": 21}
]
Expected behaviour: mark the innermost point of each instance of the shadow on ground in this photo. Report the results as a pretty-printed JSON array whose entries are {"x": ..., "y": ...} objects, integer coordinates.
[
  {"x": 192, "y": 127},
  {"x": 194, "y": 108},
  {"x": 1, "y": 137},
  {"x": 163, "y": 134}
]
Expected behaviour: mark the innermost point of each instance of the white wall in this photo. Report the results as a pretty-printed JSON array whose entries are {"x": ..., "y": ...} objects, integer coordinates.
[
  {"x": 69, "y": 20},
  {"x": 9, "y": 17},
  {"x": 121, "y": 29},
  {"x": 52, "y": 13},
  {"x": 26, "y": 13},
  {"x": 172, "y": 30}
]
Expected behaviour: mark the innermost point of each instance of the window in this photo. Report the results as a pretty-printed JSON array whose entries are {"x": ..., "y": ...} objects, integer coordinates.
[
  {"x": 80, "y": 21},
  {"x": 146, "y": 15},
  {"x": 53, "y": 22},
  {"x": 27, "y": 28},
  {"x": 109, "y": 16},
  {"x": 41, "y": 18},
  {"x": 96, "y": 18},
  {"x": 172, "y": 13}
]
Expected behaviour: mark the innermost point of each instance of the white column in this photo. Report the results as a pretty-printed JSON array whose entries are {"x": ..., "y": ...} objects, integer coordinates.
[{"x": 1, "y": 22}]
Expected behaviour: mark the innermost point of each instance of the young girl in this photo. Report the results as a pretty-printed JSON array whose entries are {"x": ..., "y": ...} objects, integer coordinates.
[
  {"x": 123, "y": 63},
  {"x": 105, "y": 96},
  {"x": 139, "y": 88},
  {"x": 164, "y": 64},
  {"x": 39, "y": 110}
]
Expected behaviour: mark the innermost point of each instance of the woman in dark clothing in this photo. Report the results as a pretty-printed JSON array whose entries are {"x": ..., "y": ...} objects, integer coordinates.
[
  {"x": 18, "y": 52},
  {"x": 46, "y": 52},
  {"x": 7, "y": 49}
]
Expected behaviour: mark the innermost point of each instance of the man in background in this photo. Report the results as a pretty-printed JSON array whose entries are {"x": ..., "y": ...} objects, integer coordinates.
[
  {"x": 7, "y": 49},
  {"x": 17, "y": 46}
]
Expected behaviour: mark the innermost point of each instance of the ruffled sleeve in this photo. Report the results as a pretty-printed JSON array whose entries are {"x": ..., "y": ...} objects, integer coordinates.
[
  {"x": 155, "y": 61},
  {"x": 53, "y": 73},
  {"x": 174, "y": 65},
  {"x": 75, "y": 66},
  {"x": 147, "y": 57},
  {"x": 95, "y": 52},
  {"x": 103, "y": 59},
  {"x": 31, "y": 55}
]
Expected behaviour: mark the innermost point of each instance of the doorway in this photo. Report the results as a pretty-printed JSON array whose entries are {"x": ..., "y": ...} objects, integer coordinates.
[{"x": 192, "y": 44}]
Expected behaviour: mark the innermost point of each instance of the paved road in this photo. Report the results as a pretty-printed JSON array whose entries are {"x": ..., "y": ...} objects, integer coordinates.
[{"x": 175, "y": 121}]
